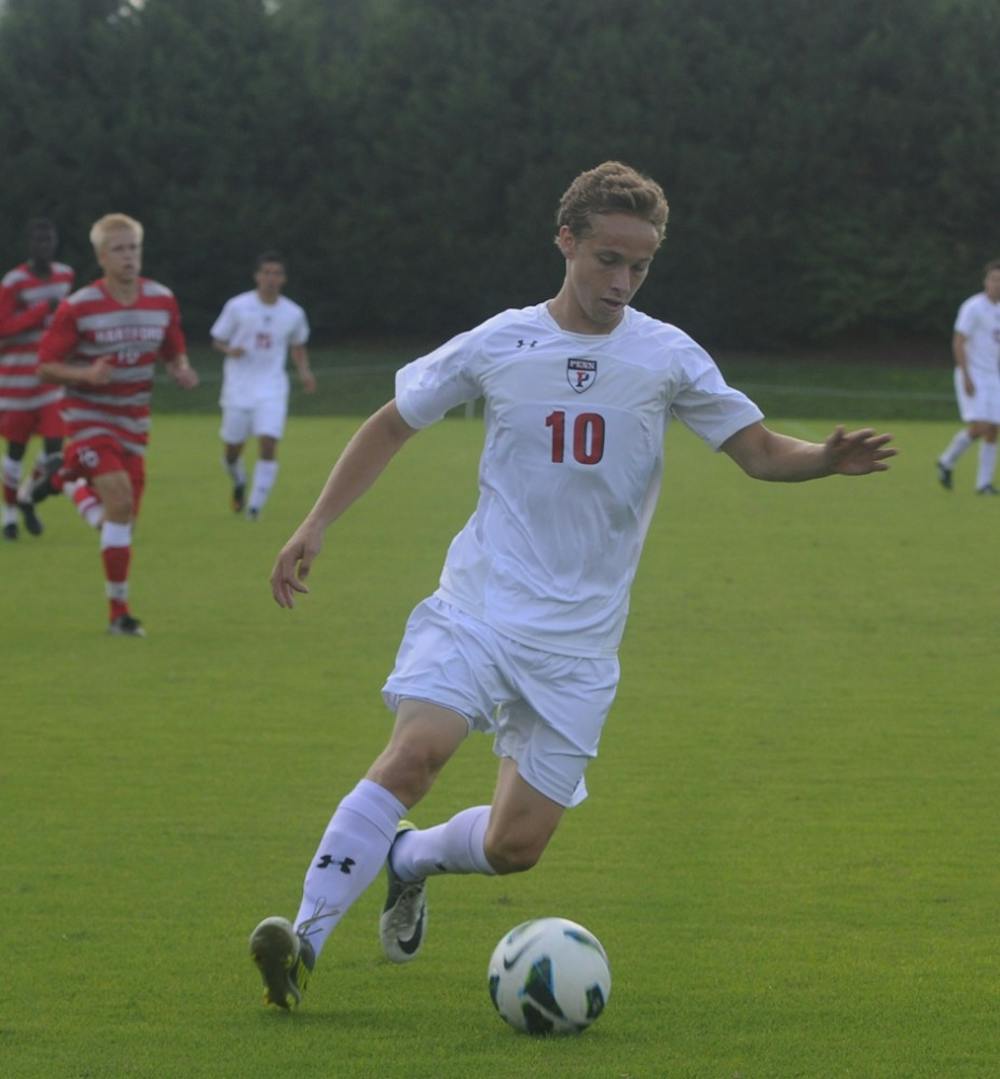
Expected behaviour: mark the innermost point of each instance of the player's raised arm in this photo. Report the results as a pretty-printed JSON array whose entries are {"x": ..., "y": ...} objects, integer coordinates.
[
  {"x": 363, "y": 460},
  {"x": 767, "y": 455}
]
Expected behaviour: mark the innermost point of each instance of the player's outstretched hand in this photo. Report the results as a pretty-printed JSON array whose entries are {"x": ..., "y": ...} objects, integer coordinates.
[
  {"x": 859, "y": 452},
  {"x": 292, "y": 566}
]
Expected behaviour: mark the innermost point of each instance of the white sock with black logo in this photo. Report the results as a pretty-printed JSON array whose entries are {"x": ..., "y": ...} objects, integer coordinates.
[
  {"x": 453, "y": 847},
  {"x": 350, "y": 856}
]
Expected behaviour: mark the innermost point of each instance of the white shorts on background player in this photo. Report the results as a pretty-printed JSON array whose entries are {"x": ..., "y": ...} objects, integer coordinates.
[
  {"x": 984, "y": 405},
  {"x": 978, "y": 321},
  {"x": 546, "y": 711},
  {"x": 266, "y": 417}
]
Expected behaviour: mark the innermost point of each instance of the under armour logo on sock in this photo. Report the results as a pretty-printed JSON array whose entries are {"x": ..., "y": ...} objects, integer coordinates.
[{"x": 328, "y": 860}]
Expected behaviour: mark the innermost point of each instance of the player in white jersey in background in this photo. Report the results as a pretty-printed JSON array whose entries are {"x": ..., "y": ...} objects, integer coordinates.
[
  {"x": 976, "y": 348},
  {"x": 256, "y": 331},
  {"x": 521, "y": 638}
]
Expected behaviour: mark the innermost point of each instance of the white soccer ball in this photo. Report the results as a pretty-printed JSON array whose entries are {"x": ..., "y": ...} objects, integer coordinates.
[{"x": 549, "y": 976}]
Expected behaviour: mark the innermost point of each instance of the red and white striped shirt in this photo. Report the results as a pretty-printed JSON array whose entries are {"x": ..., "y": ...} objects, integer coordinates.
[
  {"x": 91, "y": 323},
  {"x": 25, "y": 310}
]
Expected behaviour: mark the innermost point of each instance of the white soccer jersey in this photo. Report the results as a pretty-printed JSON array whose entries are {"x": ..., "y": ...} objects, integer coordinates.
[
  {"x": 265, "y": 331},
  {"x": 978, "y": 321},
  {"x": 571, "y": 465}
]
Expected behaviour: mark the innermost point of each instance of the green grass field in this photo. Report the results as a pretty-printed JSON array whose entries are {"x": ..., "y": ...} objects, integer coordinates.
[{"x": 790, "y": 849}]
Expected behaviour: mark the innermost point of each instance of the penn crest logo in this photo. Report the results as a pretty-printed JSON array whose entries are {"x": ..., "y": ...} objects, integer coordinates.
[{"x": 581, "y": 374}]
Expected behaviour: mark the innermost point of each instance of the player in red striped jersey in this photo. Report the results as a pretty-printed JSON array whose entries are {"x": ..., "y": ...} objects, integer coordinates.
[
  {"x": 29, "y": 294},
  {"x": 103, "y": 345}
]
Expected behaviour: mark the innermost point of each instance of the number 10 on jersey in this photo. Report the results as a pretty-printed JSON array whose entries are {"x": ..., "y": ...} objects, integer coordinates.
[{"x": 587, "y": 441}]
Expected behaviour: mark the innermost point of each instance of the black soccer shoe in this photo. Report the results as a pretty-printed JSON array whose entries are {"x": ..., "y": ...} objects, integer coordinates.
[
  {"x": 944, "y": 476},
  {"x": 126, "y": 626},
  {"x": 239, "y": 497},
  {"x": 987, "y": 489},
  {"x": 285, "y": 961},
  {"x": 30, "y": 518},
  {"x": 44, "y": 486},
  {"x": 10, "y": 531}
]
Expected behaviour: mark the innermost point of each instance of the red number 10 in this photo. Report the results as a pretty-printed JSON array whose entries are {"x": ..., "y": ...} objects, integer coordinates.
[{"x": 588, "y": 437}]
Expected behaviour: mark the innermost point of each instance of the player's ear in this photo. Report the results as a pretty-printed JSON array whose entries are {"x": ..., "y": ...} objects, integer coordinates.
[{"x": 566, "y": 241}]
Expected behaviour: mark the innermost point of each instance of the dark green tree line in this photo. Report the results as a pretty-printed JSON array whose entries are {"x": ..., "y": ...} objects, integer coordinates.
[{"x": 831, "y": 168}]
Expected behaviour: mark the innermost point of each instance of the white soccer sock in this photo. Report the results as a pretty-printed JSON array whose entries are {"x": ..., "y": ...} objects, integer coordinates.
[
  {"x": 236, "y": 469},
  {"x": 264, "y": 475},
  {"x": 349, "y": 857},
  {"x": 987, "y": 464},
  {"x": 453, "y": 847},
  {"x": 956, "y": 447}
]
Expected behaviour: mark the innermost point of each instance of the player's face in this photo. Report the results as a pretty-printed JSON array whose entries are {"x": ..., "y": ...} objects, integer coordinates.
[
  {"x": 42, "y": 245},
  {"x": 120, "y": 256},
  {"x": 270, "y": 278},
  {"x": 605, "y": 268},
  {"x": 992, "y": 285}
]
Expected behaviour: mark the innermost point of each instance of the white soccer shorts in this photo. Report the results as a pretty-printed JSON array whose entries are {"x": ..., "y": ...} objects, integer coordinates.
[
  {"x": 546, "y": 711},
  {"x": 264, "y": 418},
  {"x": 984, "y": 405}
]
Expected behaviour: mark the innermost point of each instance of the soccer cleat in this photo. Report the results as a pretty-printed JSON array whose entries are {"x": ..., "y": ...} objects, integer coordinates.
[
  {"x": 10, "y": 530},
  {"x": 944, "y": 476},
  {"x": 404, "y": 916},
  {"x": 239, "y": 499},
  {"x": 253, "y": 513},
  {"x": 285, "y": 961},
  {"x": 126, "y": 626},
  {"x": 987, "y": 489},
  {"x": 48, "y": 483},
  {"x": 31, "y": 521}
]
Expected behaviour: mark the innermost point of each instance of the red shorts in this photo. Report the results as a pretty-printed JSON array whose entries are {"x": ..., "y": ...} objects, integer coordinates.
[
  {"x": 100, "y": 455},
  {"x": 46, "y": 422}
]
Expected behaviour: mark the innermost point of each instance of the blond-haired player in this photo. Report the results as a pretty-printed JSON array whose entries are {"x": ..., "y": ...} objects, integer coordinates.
[{"x": 103, "y": 345}]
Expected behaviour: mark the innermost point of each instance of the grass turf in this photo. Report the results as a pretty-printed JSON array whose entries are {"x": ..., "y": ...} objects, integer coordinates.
[{"x": 789, "y": 851}]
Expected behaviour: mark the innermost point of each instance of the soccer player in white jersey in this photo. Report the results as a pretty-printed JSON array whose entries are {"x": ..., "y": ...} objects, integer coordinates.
[
  {"x": 975, "y": 345},
  {"x": 255, "y": 332},
  {"x": 521, "y": 637}
]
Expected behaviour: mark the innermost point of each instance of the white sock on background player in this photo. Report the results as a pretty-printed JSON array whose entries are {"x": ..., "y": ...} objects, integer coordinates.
[
  {"x": 956, "y": 447},
  {"x": 457, "y": 846},
  {"x": 264, "y": 475},
  {"x": 236, "y": 470},
  {"x": 349, "y": 857},
  {"x": 987, "y": 464}
]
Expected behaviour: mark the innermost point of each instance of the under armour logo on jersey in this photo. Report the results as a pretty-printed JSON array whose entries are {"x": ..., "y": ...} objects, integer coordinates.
[
  {"x": 581, "y": 374},
  {"x": 328, "y": 860},
  {"x": 521, "y": 343}
]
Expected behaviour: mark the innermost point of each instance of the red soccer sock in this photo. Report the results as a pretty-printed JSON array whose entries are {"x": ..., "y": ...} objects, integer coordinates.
[
  {"x": 87, "y": 502},
  {"x": 116, "y": 561}
]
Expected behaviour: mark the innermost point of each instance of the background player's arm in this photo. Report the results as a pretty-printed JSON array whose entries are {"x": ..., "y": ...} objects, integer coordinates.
[
  {"x": 13, "y": 321},
  {"x": 234, "y": 351},
  {"x": 766, "y": 455},
  {"x": 363, "y": 460},
  {"x": 181, "y": 371},
  {"x": 962, "y": 361},
  {"x": 300, "y": 357}
]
